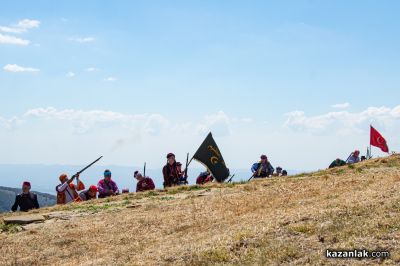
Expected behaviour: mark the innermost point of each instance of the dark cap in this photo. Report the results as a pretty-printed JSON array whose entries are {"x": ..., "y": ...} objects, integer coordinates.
[
  {"x": 169, "y": 155},
  {"x": 263, "y": 157}
]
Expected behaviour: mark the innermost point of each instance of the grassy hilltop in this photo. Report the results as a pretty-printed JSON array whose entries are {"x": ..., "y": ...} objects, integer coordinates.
[{"x": 276, "y": 221}]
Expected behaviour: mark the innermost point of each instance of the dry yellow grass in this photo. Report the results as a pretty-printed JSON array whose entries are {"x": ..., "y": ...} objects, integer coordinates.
[{"x": 265, "y": 222}]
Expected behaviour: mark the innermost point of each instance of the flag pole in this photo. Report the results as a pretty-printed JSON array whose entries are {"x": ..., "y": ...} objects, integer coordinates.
[
  {"x": 370, "y": 147},
  {"x": 370, "y": 151}
]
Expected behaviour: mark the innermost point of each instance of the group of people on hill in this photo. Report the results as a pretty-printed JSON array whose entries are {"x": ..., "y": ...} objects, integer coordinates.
[
  {"x": 173, "y": 174},
  {"x": 70, "y": 191},
  {"x": 353, "y": 158}
]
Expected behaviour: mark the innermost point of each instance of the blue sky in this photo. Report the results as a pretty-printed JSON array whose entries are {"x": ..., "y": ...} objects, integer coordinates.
[{"x": 132, "y": 80}]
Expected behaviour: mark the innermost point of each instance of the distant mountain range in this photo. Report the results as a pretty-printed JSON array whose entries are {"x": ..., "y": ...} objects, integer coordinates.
[{"x": 7, "y": 198}]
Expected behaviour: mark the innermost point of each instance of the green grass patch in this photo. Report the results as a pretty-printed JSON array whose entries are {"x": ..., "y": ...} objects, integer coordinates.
[
  {"x": 301, "y": 175},
  {"x": 190, "y": 188},
  {"x": 307, "y": 229},
  {"x": 359, "y": 170},
  {"x": 9, "y": 228},
  {"x": 217, "y": 255},
  {"x": 151, "y": 193},
  {"x": 172, "y": 192},
  {"x": 340, "y": 172},
  {"x": 179, "y": 189},
  {"x": 167, "y": 198}
]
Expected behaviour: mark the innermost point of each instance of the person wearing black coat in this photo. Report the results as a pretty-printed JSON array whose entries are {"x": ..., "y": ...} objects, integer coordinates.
[{"x": 26, "y": 200}]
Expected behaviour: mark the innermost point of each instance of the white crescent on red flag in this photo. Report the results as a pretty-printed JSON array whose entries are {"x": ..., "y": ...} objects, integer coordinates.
[{"x": 377, "y": 140}]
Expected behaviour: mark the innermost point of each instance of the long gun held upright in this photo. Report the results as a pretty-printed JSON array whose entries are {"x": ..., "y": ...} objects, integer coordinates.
[
  {"x": 144, "y": 170},
  {"x": 84, "y": 169},
  {"x": 186, "y": 168}
]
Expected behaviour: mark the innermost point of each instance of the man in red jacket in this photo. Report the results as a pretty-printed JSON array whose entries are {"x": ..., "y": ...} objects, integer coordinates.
[
  {"x": 204, "y": 177},
  {"x": 144, "y": 183}
]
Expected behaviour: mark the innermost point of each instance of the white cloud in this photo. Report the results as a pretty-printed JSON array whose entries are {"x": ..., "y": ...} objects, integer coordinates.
[
  {"x": 8, "y": 39},
  {"x": 341, "y": 105},
  {"x": 218, "y": 123},
  {"x": 10, "y": 29},
  {"x": 22, "y": 26},
  {"x": 70, "y": 74},
  {"x": 153, "y": 124},
  {"x": 91, "y": 69},
  {"x": 9, "y": 123},
  {"x": 110, "y": 79},
  {"x": 28, "y": 24},
  {"x": 343, "y": 122},
  {"x": 16, "y": 68},
  {"x": 83, "y": 121},
  {"x": 82, "y": 39}
]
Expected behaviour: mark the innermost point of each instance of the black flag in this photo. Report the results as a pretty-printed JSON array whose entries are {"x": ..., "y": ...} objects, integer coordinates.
[{"x": 209, "y": 154}]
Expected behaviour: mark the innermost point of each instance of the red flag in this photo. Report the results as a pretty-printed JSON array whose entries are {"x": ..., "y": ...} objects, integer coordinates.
[{"x": 378, "y": 141}]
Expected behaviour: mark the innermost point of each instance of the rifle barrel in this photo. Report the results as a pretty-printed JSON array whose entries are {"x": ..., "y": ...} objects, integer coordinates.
[
  {"x": 251, "y": 177},
  {"x": 230, "y": 179},
  {"x": 95, "y": 161}
]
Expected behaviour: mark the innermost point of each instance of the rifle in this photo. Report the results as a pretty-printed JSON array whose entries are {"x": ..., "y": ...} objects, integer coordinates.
[
  {"x": 349, "y": 157},
  {"x": 81, "y": 171},
  {"x": 144, "y": 170},
  {"x": 186, "y": 169},
  {"x": 230, "y": 179},
  {"x": 251, "y": 177}
]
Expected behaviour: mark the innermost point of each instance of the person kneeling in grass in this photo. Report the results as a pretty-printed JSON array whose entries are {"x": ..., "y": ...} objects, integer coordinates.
[
  {"x": 107, "y": 187},
  {"x": 89, "y": 194},
  {"x": 144, "y": 183}
]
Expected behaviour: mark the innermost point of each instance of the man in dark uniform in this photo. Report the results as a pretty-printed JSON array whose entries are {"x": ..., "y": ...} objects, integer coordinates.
[
  {"x": 172, "y": 174},
  {"x": 26, "y": 200},
  {"x": 263, "y": 168}
]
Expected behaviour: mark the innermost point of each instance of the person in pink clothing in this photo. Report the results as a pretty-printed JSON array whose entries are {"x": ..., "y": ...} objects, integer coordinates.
[{"x": 107, "y": 187}]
